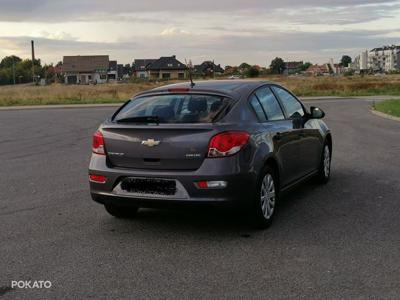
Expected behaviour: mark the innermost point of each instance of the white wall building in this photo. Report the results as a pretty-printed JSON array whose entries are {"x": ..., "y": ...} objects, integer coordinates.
[
  {"x": 364, "y": 60},
  {"x": 384, "y": 59}
]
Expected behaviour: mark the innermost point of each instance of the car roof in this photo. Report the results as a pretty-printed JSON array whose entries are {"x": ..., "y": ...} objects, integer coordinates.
[{"x": 232, "y": 88}]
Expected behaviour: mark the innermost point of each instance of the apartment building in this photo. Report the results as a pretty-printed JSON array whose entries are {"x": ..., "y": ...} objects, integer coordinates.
[{"x": 383, "y": 59}]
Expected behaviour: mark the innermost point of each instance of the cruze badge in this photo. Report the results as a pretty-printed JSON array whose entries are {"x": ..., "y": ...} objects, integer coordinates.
[{"x": 150, "y": 143}]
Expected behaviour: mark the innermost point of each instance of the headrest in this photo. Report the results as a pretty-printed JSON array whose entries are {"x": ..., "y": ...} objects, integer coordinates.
[
  {"x": 197, "y": 104},
  {"x": 164, "y": 112},
  {"x": 216, "y": 106}
]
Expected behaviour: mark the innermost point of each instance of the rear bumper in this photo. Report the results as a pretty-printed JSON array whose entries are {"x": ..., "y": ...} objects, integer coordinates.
[
  {"x": 104, "y": 198},
  {"x": 239, "y": 191}
]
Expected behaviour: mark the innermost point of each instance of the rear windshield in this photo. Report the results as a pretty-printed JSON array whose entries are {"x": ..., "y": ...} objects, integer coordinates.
[{"x": 176, "y": 108}]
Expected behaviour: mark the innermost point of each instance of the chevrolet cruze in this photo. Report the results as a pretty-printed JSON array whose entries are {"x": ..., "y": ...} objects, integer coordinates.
[{"x": 235, "y": 142}]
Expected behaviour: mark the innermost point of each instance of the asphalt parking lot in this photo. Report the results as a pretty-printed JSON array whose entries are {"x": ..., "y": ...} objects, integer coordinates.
[{"x": 336, "y": 241}]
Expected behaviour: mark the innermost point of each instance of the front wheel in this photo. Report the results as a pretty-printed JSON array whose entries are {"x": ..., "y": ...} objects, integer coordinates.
[
  {"x": 121, "y": 211},
  {"x": 324, "y": 171},
  {"x": 266, "y": 198}
]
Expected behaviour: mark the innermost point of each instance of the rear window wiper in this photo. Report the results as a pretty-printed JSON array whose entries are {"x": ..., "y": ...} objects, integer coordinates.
[{"x": 145, "y": 119}]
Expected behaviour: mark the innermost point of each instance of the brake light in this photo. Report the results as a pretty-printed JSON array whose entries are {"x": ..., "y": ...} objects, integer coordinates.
[
  {"x": 227, "y": 143},
  {"x": 97, "y": 178},
  {"x": 98, "y": 143},
  {"x": 178, "y": 90}
]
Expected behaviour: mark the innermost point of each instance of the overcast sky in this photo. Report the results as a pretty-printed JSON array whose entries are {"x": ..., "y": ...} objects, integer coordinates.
[{"x": 228, "y": 31}]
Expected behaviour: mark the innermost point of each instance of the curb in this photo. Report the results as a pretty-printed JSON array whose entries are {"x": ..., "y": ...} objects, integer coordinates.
[
  {"x": 385, "y": 116},
  {"x": 322, "y": 98},
  {"x": 100, "y": 105},
  {"x": 68, "y": 106}
]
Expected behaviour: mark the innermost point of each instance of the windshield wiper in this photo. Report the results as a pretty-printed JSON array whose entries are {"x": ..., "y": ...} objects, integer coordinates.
[{"x": 145, "y": 119}]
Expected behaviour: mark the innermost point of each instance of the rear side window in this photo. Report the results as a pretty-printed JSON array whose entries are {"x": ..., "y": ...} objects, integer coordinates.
[
  {"x": 257, "y": 108},
  {"x": 176, "y": 108},
  {"x": 270, "y": 104},
  {"x": 292, "y": 106}
]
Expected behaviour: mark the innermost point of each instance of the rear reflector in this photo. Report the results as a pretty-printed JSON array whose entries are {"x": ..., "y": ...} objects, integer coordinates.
[
  {"x": 211, "y": 184},
  {"x": 98, "y": 143},
  {"x": 97, "y": 178},
  {"x": 227, "y": 143}
]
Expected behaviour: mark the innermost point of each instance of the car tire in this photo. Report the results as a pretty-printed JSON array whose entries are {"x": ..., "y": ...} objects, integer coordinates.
[
  {"x": 122, "y": 212},
  {"x": 265, "y": 199},
  {"x": 324, "y": 170}
]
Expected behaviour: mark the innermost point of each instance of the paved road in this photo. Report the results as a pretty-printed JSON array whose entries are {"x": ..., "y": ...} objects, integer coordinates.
[{"x": 336, "y": 241}]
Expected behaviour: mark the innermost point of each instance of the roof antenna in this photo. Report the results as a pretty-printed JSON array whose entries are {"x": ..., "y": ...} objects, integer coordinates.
[{"x": 189, "y": 65}]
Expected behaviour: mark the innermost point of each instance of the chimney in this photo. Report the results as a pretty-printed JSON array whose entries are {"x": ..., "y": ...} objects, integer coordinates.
[{"x": 33, "y": 60}]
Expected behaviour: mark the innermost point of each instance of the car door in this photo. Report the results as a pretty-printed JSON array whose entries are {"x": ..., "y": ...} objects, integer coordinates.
[
  {"x": 308, "y": 138},
  {"x": 285, "y": 139}
]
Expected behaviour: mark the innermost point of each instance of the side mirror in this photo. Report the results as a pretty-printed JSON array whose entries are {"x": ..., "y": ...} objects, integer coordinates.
[{"x": 316, "y": 113}]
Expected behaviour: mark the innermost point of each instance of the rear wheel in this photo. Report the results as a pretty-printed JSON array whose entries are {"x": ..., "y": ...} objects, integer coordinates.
[
  {"x": 324, "y": 172},
  {"x": 266, "y": 198},
  {"x": 121, "y": 211}
]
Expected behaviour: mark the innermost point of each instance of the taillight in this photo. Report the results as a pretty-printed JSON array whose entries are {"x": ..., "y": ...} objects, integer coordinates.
[
  {"x": 98, "y": 143},
  {"x": 227, "y": 143}
]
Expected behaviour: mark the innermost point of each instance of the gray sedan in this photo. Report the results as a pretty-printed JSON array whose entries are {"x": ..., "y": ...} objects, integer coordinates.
[{"x": 238, "y": 143}]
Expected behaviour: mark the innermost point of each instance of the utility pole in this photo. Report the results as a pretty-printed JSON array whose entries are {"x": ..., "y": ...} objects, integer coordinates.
[
  {"x": 33, "y": 61},
  {"x": 13, "y": 68}
]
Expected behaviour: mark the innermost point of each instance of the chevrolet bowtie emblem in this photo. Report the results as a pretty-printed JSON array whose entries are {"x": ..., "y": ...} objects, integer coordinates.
[{"x": 150, "y": 143}]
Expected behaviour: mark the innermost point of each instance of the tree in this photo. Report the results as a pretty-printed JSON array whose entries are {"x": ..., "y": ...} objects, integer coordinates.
[
  {"x": 244, "y": 66},
  {"x": 253, "y": 72},
  {"x": 345, "y": 61},
  {"x": 277, "y": 66},
  {"x": 8, "y": 61},
  {"x": 305, "y": 66},
  {"x": 23, "y": 70}
]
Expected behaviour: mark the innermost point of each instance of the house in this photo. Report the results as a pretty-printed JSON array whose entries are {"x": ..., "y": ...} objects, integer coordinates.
[
  {"x": 166, "y": 67},
  {"x": 85, "y": 69},
  {"x": 208, "y": 69},
  {"x": 112, "y": 73},
  {"x": 336, "y": 69},
  {"x": 318, "y": 70},
  {"x": 120, "y": 71},
  {"x": 292, "y": 67},
  {"x": 140, "y": 67}
]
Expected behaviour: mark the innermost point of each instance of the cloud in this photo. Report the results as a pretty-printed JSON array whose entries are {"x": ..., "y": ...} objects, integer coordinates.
[
  {"x": 56, "y": 35},
  {"x": 174, "y": 31},
  {"x": 226, "y": 49},
  {"x": 118, "y": 10},
  {"x": 347, "y": 14},
  {"x": 229, "y": 31}
]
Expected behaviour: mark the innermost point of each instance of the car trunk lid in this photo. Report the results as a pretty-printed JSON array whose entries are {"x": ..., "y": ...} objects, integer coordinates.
[{"x": 158, "y": 147}]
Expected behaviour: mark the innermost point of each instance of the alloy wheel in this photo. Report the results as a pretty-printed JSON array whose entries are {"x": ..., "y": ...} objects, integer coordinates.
[
  {"x": 268, "y": 196},
  {"x": 327, "y": 161}
]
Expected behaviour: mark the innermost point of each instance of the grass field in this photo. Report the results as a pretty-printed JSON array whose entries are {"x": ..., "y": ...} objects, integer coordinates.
[
  {"x": 391, "y": 107},
  {"x": 117, "y": 92}
]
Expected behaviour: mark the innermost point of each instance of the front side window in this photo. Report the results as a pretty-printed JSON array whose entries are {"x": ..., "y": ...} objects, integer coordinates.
[
  {"x": 176, "y": 108},
  {"x": 292, "y": 106},
  {"x": 270, "y": 104}
]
